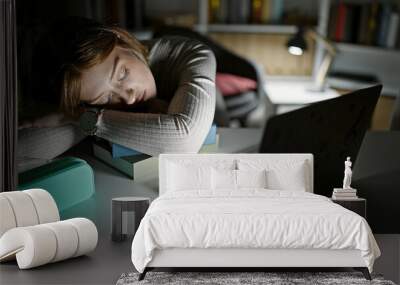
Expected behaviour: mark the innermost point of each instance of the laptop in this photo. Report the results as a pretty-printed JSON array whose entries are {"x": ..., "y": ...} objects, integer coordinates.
[{"x": 331, "y": 130}]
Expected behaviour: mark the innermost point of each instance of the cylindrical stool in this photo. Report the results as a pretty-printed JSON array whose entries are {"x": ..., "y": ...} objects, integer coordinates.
[{"x": 127, "y": 212}]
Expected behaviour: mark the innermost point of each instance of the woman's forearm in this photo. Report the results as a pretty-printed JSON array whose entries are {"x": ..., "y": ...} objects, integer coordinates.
[{"x": 158, "y": 133}]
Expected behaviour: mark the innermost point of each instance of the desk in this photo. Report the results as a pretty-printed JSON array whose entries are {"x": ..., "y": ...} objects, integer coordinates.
[{"x": 290, "y": 93}]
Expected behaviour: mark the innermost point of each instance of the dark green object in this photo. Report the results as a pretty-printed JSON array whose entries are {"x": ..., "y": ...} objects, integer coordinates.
[{"x": 69, "y": 180}]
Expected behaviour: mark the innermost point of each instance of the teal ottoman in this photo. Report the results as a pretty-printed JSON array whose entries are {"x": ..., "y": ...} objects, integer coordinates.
[{"x": 69, "y": 180}]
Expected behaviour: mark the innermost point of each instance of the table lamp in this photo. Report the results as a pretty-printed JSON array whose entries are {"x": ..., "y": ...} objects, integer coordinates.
[{"x": 297, "y": 45}]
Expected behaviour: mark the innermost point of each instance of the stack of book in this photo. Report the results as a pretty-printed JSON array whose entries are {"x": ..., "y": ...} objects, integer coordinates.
[
  {"x": 344, "y": 194},
  {"x": 137, "y": 165}
]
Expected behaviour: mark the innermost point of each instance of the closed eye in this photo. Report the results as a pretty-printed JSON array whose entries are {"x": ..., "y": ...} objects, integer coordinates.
[{"x": 123, "y": 73}]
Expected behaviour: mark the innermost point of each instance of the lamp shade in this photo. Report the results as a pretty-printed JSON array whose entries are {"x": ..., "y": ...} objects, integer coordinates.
[{"x": 297, "y": 44}]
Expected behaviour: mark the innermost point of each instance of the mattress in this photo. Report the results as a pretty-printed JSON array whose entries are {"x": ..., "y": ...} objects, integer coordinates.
[{"x": 251, "y": 219}]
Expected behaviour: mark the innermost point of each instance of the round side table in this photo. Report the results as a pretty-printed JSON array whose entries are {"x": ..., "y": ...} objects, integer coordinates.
[{"x": 127, "y": 212}]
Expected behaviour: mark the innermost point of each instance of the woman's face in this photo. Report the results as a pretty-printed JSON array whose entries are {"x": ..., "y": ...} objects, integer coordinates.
[{"x": 120, "y": 80}]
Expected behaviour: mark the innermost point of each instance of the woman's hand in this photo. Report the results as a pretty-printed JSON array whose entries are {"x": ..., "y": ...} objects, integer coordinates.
[{"x": 54, "y": 119}]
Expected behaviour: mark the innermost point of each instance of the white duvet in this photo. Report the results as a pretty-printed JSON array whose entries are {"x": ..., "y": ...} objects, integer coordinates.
[{"x": 252, "y": 218}]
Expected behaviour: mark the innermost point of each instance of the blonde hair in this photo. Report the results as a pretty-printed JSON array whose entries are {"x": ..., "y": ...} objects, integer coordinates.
[{"x": 94, "y": 47}]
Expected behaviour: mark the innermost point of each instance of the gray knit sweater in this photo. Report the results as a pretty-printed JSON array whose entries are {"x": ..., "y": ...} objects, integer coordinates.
[{"x": 184, "y": 71}]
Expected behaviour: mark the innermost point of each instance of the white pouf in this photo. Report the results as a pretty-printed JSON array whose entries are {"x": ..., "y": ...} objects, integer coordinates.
[
  {"x": 40, "y": 244},
  {"x": 31, "y": 230},
  {"x": 26, "y": 208}
]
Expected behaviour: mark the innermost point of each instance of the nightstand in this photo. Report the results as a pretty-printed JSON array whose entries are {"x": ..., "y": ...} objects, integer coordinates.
[
  {"x": 126, "y": 213},
  {"x": 357, "y": 205}
]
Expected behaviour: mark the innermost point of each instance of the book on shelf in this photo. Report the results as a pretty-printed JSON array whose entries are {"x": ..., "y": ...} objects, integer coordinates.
[
  {"x": 340, "y": 22},
  {"x": 256, "y": 11},
  {"x": 245, "y": 11},
  {"x": 118, "y": 150},
  {"x": 276, "y": 11},
  {"x": 384, "y": 15},
  {"x": 393, "y": 30},
  {"x": 139, "y": 166},
  {"x": 374, "y": 23},
  {"x": 266, "y": 11}
]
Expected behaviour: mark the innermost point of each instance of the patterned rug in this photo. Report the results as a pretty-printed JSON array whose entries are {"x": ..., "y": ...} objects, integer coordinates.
[{"x": 243, "y": 278}]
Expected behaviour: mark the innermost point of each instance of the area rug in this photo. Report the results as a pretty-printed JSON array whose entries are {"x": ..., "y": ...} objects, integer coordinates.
[{"x": 244, "y": 278}]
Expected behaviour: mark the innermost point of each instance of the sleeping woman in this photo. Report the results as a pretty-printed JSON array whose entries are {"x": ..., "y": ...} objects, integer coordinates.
[{"x": 156, "y": 97}]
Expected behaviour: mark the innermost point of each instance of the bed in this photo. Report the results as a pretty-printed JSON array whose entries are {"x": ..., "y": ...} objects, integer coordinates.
[{"x": 246, "y": 211}]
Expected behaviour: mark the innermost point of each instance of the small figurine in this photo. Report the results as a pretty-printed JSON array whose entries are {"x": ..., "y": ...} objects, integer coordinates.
[{"x": 347, "y": 174}]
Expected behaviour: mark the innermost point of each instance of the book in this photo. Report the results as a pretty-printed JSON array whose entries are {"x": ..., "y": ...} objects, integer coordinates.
[
  {"x": 384, "y": 19},
  {"x": 243, "y": 11},
  {"x": 214, "y": 7},
  {"x": 372, "y": 23},
  {"x": 340, "y": 22},
  {"x": 341, "y": 190},
  {"x": 141, "y": 166},
  {"x": 393, "y": 28},
  {"x": 363, "y": 24},
  {"x": 129, "y": 165},
  {"x": 239, "y": 11},
  {"x": 118, "y": 150},
  {"x": 222, "y": 14},
  {"x": 344, "y": 198},
  {"x": 277, "y": 11},
  {"x": 256, "y": 11},
  {"x": 345, "y": 194},
  {"x": 266, "y": 11},
  {"x": 354, "y": 22},
  {"x": 332, "y": 21}
]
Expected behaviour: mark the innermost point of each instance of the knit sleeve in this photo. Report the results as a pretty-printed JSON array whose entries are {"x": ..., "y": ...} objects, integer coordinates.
[
  {"x": 37, "y": 146},
  {"x": 190, "y": 112}
]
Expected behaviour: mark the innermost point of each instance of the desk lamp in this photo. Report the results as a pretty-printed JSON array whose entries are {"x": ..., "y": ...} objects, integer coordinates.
[{"x": 297, "y": 45}]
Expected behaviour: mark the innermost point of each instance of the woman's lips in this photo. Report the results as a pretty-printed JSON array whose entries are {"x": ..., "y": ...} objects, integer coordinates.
[{"x": 141, "y": 97}]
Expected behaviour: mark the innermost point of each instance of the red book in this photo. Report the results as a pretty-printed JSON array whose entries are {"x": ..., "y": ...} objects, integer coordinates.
[{"x": 341, "y": 22}]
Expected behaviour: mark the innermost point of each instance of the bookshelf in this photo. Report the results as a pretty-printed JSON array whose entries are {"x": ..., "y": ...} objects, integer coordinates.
[
  {"x": 205, "y": 24},
  {"x": 379, "y": 61},
  {"x": 318, "y": 9},
  {"x": 363, "y": 40}
]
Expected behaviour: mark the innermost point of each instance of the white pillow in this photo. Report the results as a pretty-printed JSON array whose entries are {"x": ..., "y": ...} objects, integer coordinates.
[
  {"x": 251, "y": 178},
  {"x": 281, "y": 175},
  {"x": 223, "y": 179},
  {"x": 181, "y": 177},
  {"x": 292, "y": 179}
]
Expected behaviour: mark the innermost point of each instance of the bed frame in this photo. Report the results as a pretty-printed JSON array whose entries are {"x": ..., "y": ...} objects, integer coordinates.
[
  {"x": 246, "y": 258},
  {"x": 243, "y": 259}
]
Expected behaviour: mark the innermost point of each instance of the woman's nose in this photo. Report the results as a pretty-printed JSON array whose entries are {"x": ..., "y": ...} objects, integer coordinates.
[{"x": 128, "y": 96}]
